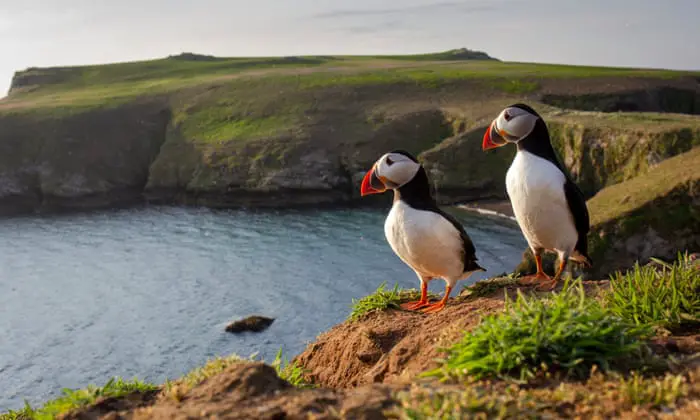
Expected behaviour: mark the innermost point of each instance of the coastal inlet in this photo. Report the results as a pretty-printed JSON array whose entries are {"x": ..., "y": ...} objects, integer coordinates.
[{"x": 148, "y": 292}]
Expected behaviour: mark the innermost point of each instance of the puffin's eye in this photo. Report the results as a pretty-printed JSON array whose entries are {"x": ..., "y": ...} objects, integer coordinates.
[
  {"x": 389, "y": 162},
  {"x": 507, "y": 116}
]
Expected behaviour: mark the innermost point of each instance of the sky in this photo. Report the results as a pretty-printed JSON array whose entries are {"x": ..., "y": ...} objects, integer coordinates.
[{"x": 637, "y": 33}]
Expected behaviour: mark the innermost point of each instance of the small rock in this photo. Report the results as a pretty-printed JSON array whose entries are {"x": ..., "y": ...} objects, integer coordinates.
[{"x": 253, "y": 323}]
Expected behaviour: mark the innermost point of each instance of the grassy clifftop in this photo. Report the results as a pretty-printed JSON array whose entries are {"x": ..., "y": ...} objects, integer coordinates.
[
  {"x": 100, "y": 85},
  {"x": 652, "y": 215}
]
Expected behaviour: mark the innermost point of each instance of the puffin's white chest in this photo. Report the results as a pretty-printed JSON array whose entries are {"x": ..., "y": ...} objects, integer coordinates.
[
  {"x": 536, "y": 190},
  {"x": 426, "y": 241}
]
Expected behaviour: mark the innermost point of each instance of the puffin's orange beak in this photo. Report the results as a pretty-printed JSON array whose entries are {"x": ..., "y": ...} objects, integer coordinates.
[
  {"x": 371, "y": 184},
  {"x": 492, "y": 139}
]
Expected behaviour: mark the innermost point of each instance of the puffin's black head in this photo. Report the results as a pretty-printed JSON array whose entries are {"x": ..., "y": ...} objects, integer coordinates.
[
  {"x": 515, "y": 123},
  {"x": 391, "y": 171}
]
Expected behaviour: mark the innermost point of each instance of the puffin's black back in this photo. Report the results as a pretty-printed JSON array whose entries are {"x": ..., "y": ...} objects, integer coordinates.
[
  {"x": 539, "y": 143},
  {"x": 416, "y": 194}
]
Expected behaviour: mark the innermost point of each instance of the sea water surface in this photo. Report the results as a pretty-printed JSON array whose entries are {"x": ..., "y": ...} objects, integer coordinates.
[{"x": 147, "y": 292}]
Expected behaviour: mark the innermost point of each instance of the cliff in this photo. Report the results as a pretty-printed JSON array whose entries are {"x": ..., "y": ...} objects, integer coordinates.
[
  {"x": 652, "y": 215},
  {"x": 300, "y": 130}
]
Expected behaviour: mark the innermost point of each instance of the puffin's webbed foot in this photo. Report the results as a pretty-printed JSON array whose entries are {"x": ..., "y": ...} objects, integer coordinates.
[
  {"x": 423, "y": 301},
  {"x": 547, "y": 285},
  {"x": 438, "y": 306},
  {"x": 416, "y": 304},
  {"x": 551, "y": 284},
  {"x": 538, "y": 278},
  {"x": 434, "y": 307}
]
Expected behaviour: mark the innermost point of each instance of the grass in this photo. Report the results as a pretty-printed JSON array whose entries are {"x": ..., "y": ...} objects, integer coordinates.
[
  {"x": 638, "y": 390},
  {"x": 73, "y": 399},
  {"x": 516, "y": 86},
  {"x": 234, "y": 111},
  {"x": 290, "y": 372},
  {"x": 620, "y": 199},
  {"x": 103, "y": 85},
  {"x": 661, "y": 198},
  {"x": 600, "y": 396},
  {"x": 565, "y": 332},
  {"x": 224, "y": 127},
  {"x": 668, "y": 297},
  {"x": 381, "y": 300}
]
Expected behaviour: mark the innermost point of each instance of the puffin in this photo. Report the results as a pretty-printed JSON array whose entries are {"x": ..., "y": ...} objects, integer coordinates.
[
  {"x": 433, "y": 243},
  {"x": 548, "y": 206}
]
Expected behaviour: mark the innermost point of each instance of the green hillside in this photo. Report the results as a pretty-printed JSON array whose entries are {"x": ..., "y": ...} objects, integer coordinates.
[{"x": 109, "y": 84}]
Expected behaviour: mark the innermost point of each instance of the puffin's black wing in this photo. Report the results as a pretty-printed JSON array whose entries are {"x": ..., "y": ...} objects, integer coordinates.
[
  {"x": 468, "y": 249},
  {"x": 577, "y": 206}
]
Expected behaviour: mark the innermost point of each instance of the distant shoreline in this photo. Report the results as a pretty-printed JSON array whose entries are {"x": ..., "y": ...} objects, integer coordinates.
[{"x": 499, "y": 208}]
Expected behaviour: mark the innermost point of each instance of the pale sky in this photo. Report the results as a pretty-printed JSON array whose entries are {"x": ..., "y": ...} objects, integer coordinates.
[{"x": 639, "y": 33}]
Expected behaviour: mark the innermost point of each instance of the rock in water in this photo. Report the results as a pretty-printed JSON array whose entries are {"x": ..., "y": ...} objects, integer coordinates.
[{"x": 253, "y": 323}]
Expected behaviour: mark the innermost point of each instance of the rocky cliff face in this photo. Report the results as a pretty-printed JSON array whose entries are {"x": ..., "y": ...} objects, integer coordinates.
[
  {"x": 89, "y": 159},
  {"x": 137, "y": 151}
]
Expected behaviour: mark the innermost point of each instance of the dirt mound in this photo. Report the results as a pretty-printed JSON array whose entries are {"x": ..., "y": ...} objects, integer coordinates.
[
  {"x": 249, "y": 391},
  {"x": 393, "y": 345}
]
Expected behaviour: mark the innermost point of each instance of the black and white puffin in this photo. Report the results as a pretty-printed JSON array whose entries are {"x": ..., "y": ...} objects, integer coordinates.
[
  {"x": 430, "y": 241},
  {"x": 548, "y": 205}
]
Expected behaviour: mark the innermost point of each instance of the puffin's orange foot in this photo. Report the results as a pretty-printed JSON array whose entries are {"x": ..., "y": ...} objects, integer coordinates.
[
  {"x": 412, "y": 306},
  {"x": 538, "y": 278},
  {"x": 434, "y": 307},
  {"x": 547, "y": 284}
]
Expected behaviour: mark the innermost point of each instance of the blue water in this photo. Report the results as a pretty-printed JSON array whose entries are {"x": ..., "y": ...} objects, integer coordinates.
[{"x": 148, "y": 292}]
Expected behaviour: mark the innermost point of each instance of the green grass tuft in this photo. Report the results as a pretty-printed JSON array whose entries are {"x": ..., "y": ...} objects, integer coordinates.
[
  {"x": 566, "y": 332},
  {"x": 382, "y": 300},
  {"x": 290, "y": 372},
  {"x": 668, "y": 297},
  {"x": 640, "y": 391},
  {"x": 74, "y": 399}
]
